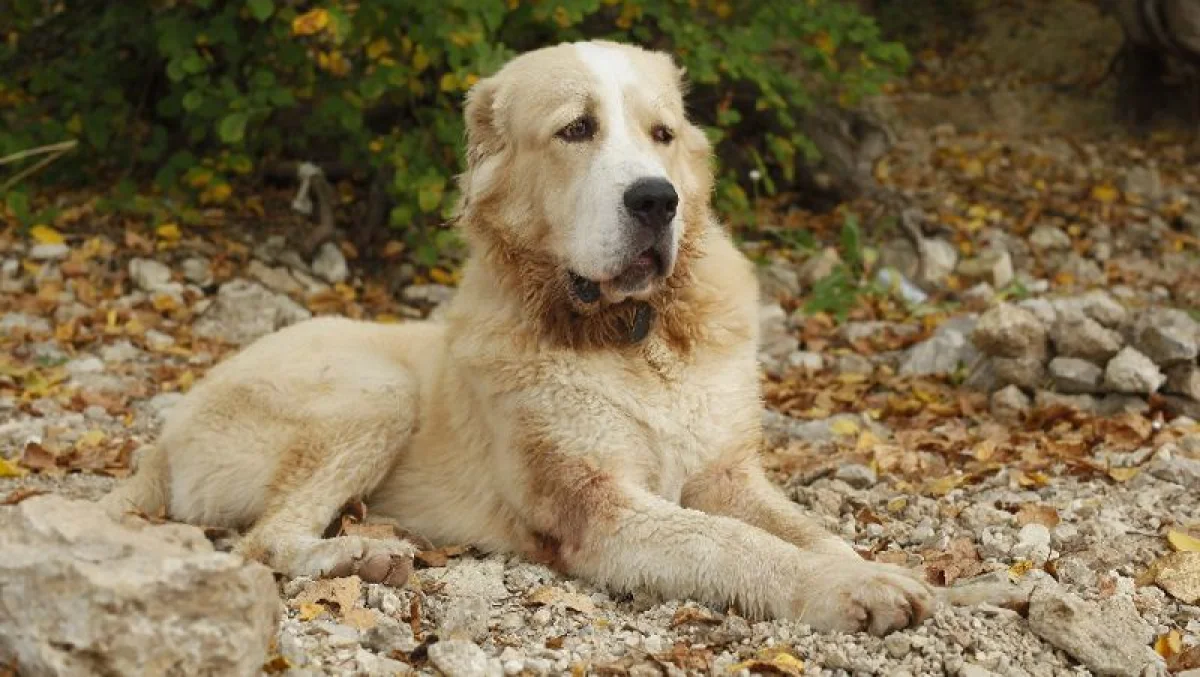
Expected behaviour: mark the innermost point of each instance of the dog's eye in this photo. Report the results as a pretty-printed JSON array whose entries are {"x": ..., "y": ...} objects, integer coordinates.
[
  {"x": 662, "y": 134},
  {"x": 581, "y": 129}
]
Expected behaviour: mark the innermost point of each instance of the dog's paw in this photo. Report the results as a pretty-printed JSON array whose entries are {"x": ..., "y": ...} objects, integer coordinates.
[
  {"x": 850, "y": 595},
  {"x": 374, "y": 560}
]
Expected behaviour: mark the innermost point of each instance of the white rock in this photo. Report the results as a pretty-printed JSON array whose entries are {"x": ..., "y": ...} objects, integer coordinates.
[
  {"x": 1007, "y": 330},
  {"x": 1076, "y": 335},
  {"x": 806, "y": 361},
  {"x": 149, "y": 274},
  {"x": 244, "y": 311},
  {"x": 938, "y": 259},
  {"x": 330, "y": 264},
  {"x": 459, "y": 658},
  {"x": 49, "y": 252},
  {"x": 276, "y": 279},
  {"x": 83, "y": 594},
  {"x": 197, "y": 270},
  {"x": 1049, "y": 238},
  {"x": 1033, "y": 543},
  {"x": 1183, "y": 379},
  {"x": 1075, "y": 376},
  {"x": 435, "y": 294},
  {"x": 941, "y": 353},
  {"x": 1167, "y": 336},
  {"x": 1109, "y": 639},
  {"x": 1009, "y": 403},
  {"x": 1132, "y": 372},
  {"x": 1027, "y": 372}
]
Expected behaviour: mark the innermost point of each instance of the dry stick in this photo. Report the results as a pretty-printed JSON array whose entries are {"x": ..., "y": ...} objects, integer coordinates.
[
  {"x": 34, "y": 168},
  {"x": 61, "y": 146}
]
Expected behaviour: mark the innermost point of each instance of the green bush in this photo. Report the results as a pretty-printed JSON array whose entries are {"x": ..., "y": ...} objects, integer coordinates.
[{"x": 195, "y": 93}]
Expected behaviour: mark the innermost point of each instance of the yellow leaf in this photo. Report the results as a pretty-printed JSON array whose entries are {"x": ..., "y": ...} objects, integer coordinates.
[
  {"x": 186, "y": 380},
  {"x": 973, "y": 168},
  {"x": 1169, "y": 645},
  {"x": 43, "y": 234},
  {"x": 844, "y": 426},
  {"x": 378, "y": 48},
  {"x": 420, "y": 60},
  {"x": 1123, "y": 474},
  {"x": 1105, "y": 193},
  {"x": 168, "y": 231},
  {"x": 823, "y": 41},
  {"x": 1183, "y": 542},
  {"x": 448, "y": 83},
  {"x": 311, "y": 22},
  {"x": 216, "y": 194},
  {"x": 91, "y": 438},
  {"x": 1019, "y": 569},
  {"x": 440, "y": 276},
  {"x": 10, "y": 469},
  {"x": 310, "y": 610}
]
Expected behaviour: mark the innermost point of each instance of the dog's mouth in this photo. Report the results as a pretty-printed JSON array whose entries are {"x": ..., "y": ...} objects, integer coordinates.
[{"x": 636, "y": 277}]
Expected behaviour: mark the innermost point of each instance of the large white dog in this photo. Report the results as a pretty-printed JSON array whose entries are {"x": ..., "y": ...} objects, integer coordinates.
[{"x": 591, "y": 397}]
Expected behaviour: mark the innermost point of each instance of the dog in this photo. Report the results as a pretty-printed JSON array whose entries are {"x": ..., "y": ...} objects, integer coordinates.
[{"x": 590, "y": 398}]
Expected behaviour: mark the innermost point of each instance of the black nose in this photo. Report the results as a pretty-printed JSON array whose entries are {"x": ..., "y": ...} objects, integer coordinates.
[{"x": 652, "y": 202}]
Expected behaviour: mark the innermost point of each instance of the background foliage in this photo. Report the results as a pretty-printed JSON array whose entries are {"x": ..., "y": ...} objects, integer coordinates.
[{"x": 197, "y": 93}]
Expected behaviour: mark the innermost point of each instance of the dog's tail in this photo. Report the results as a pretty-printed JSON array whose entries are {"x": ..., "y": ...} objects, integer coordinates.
[{"x": 145, "y": 491}]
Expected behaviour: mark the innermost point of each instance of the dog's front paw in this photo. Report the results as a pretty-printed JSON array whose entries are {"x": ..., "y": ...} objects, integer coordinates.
[
  {"x": 846, "y": 594},
  {"x": 373, "y": 560}
]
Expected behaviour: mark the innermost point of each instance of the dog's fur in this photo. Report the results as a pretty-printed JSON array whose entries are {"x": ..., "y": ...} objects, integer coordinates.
[{"x": 615, "y": 437}]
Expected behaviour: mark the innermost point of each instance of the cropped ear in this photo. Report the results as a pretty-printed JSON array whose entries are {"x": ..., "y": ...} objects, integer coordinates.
[{"x": 483, "y": 134}]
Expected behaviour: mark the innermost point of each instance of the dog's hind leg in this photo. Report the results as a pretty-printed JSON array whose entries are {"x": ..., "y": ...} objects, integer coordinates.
[{"x": 343, "y": 455}]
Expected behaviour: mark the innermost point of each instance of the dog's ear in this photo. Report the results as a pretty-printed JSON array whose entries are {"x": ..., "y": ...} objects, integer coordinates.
[{"x": 483, "y": 133}]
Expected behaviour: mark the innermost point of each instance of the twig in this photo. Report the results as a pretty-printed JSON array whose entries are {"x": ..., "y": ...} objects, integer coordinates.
[
  {"x": 63, "y": 149},
  {"x": 60, "y": 147}
]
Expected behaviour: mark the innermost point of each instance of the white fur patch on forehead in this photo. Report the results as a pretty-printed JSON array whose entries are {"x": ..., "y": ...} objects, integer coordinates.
[{"x": 612, "y": 67}]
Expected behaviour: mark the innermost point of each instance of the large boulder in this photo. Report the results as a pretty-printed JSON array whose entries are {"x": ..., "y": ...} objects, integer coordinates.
[{"x": 81, "y": 594}]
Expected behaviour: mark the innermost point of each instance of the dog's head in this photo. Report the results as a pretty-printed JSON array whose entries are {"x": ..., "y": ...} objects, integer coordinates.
[{"x": 581, "y": 154}]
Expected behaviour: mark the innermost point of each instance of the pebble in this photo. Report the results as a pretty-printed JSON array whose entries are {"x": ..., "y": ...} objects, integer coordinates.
[
  {"x": 1132, "y": 372},
  {"x": 330, "y": 264},
  {"x": 148, "y": 274},
  {"x": 459, "y": 658}
]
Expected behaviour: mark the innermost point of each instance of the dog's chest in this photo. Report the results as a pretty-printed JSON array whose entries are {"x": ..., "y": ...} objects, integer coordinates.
[{"x": 685, "y": 422}]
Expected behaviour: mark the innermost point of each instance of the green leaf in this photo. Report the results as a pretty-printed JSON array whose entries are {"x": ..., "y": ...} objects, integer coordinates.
[
  {"x": 193, "y": 100},
  {"x": 232, "y": 127},
  {"x": 430, "y": 195},
  {"x": 261, "y": 9}
]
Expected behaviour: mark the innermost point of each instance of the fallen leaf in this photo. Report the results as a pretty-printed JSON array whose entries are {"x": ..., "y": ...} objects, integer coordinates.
[
  {"x": 549, "y": 595},
  {"x": 1178, "y": 573},
  {"x": 1105, "y": 193},
  {"x": 1036, "y": 513},
  {"x": 169, "y": 232},
  {"x": 959, "y": 560},
  {"x": 1183, "y": 542},
  {"x": 276, "y": 664},
  {"x": 844, "y": 426},
  {"x": 361, "y": 618},
  {"x": 1169, "y": 645},
  {"x": 781, "y": 663},
  {"x": 337, "y": 594},
  {"x": 693, "y": 614},
  {"x": 10, "y": 469},
  {"x": 1123, "y": 474},
  {"x": 438, "y": 557},
  {"x": 43, "y": 234},
  {"x": 310, "y": 610}
]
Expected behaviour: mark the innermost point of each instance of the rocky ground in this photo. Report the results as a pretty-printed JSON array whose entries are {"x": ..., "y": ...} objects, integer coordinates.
[{"x": 995, "y": 381}]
